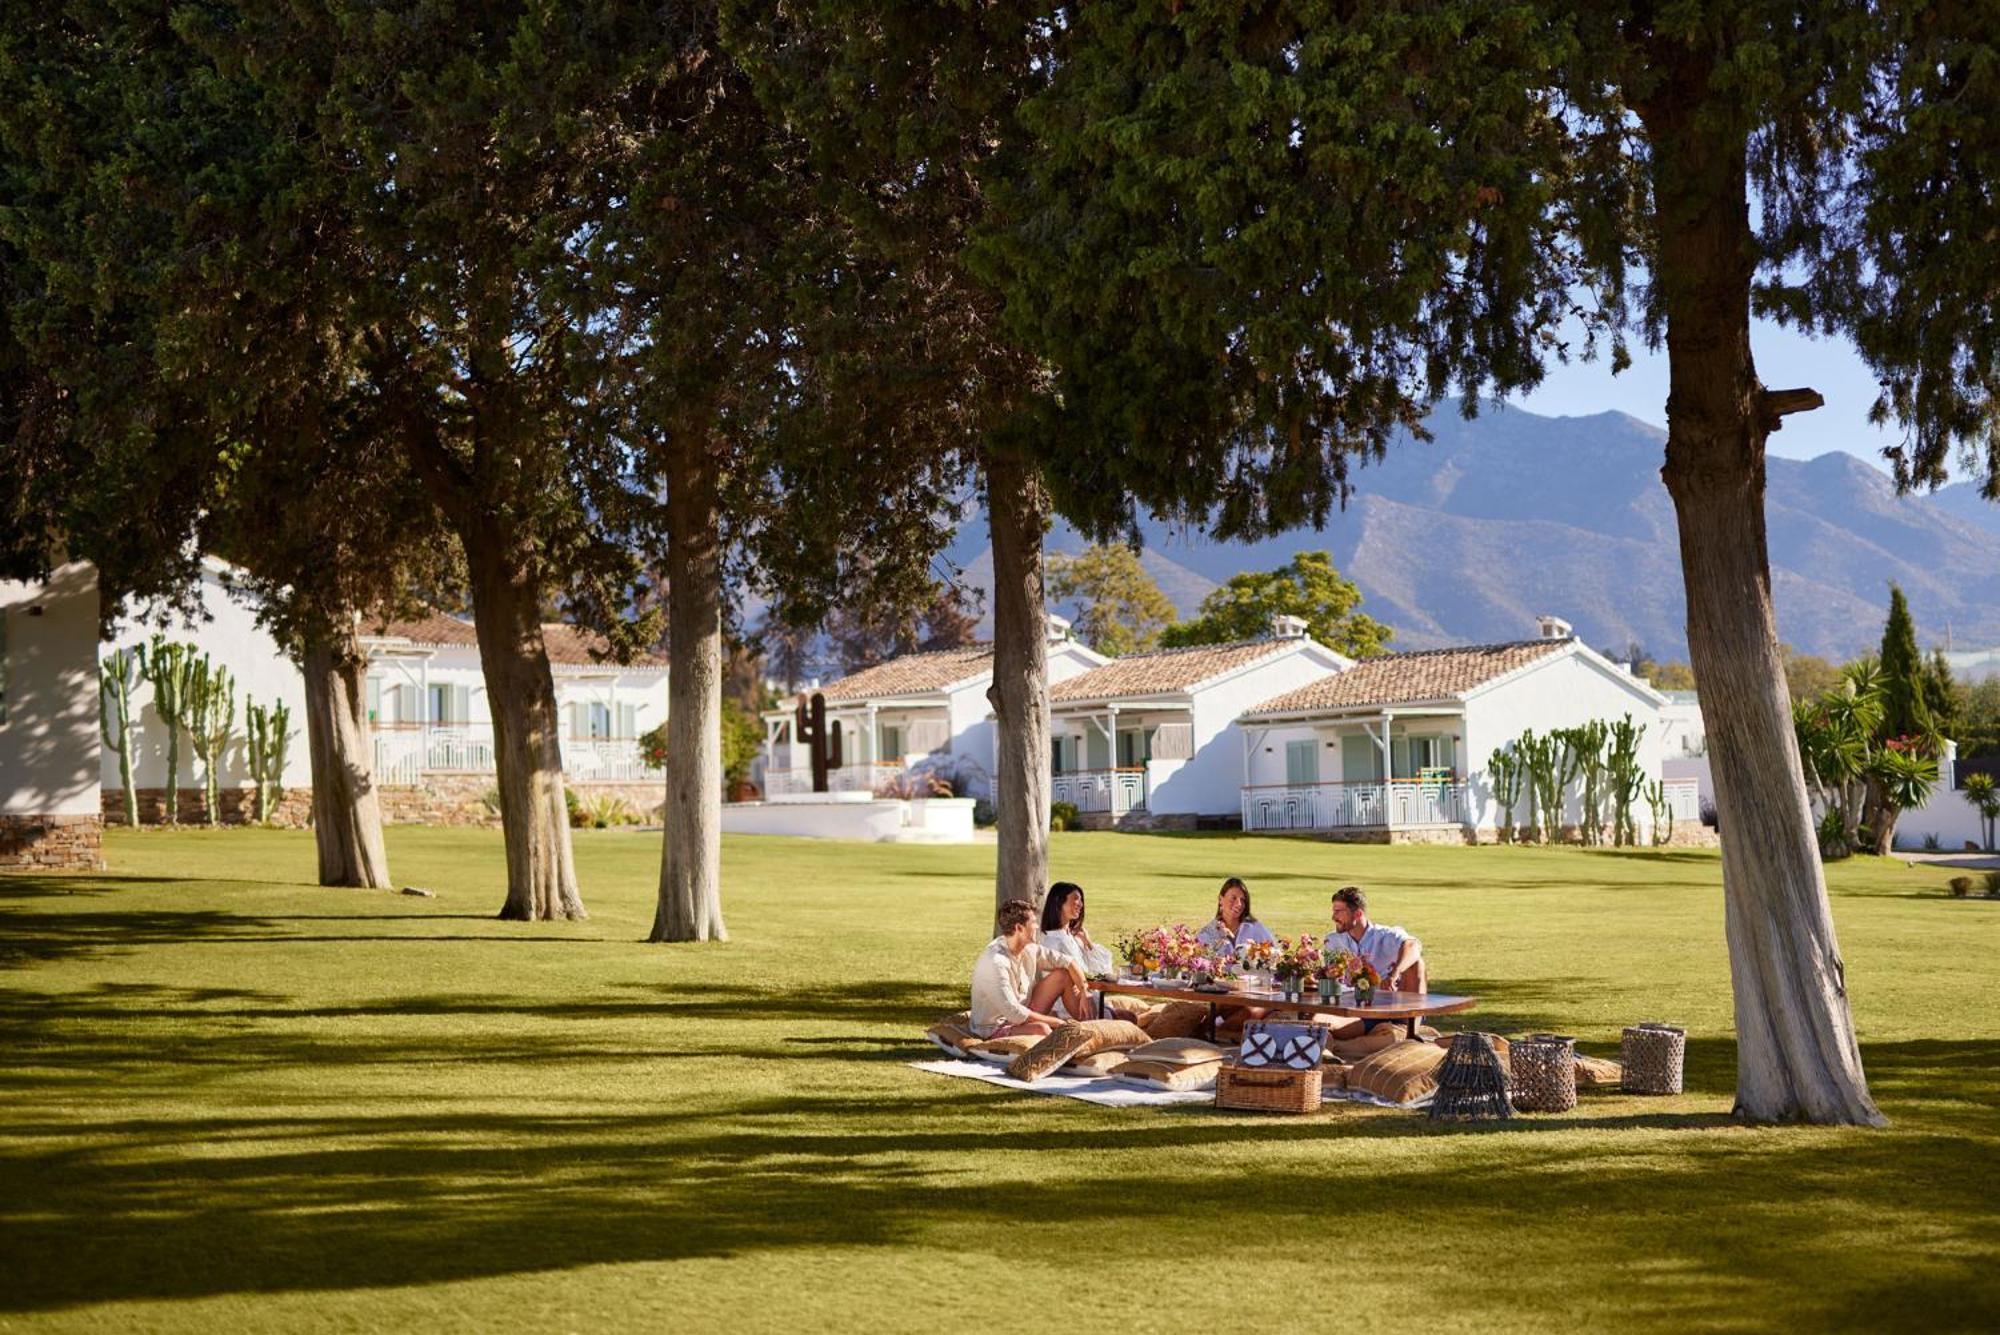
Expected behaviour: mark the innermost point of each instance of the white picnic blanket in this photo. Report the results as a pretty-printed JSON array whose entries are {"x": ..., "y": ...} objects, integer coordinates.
[
  {"x": 1108, "y": 1092},
  {"x": 1101, "y": 1090}
]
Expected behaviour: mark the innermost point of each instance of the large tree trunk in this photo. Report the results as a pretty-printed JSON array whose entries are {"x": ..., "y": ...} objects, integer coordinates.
[
  {"x": 690, "y": 907},
  {"x": 1017, "y": 511},
  {"x": 347, "y": 818},
  {"x": 521, "y": 693},
  {"x": 1796, "y": 1052}
]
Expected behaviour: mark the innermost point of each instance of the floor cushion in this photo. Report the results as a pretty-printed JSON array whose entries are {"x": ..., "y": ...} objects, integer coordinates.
[
  {"x": 1159, "y": 1075},
  {"x": 1177, "y": 1019},
  {"x": 1096, "y": 1063},
  {"x": 1597, "y": 1073},
  {"x": 1001, "y": 1051},
  {"x": 1077, "y": 1039},
  {"x": 953, "y": 1033},
  {"x": 1179, "y": 1052},
  {"x": 1404, "y": 1075}
]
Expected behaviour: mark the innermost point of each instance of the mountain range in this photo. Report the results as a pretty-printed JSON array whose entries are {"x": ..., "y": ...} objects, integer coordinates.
[{"x": 1467, "y": 537}]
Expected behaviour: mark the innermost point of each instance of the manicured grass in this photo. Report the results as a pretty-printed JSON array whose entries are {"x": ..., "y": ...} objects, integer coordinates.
[{"x": 237, "y": 1101}]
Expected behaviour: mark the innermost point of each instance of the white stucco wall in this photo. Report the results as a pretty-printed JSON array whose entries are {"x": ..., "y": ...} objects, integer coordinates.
[
  {"x": 49, "y": 739},
  {"x": 405, "y": 679},
  {"x": 1210, "y": 782},
  {"x": 264, "y": 675},
  {"x": 1559, "y": 692}
]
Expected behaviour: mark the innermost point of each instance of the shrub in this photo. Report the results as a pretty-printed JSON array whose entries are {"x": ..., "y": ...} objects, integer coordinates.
[
  {"x": 1961, "y": 886},
  {"x": 1708, "y": 816},
  {"x": 602, "y": 811},
  {"x": 571, "y": 803},
  {"x": 983, "y": 815},
  {"x": 1062, "y": 815},
  {"x": 1833, "y": 838},
  {"x": 1932, "y": 843},
  {"x": 1993, "y": 885},
  {"x": 653, "y": 747}
]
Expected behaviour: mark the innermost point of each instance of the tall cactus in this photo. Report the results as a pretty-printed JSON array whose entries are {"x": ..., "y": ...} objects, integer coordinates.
[
  {"x": 116, "y": 677},
  {"x": 1551, "y": 762},
  {"x": 1586, "y": 743},
  {"x": 1509, "y": 774},
  {"x": 169, "y": 667},
  {"x": 268, "y": 732},
  {"x": 1656, "y": 807},
  {"x": 1626, "y": 779},
  {"x": 811, "y": 729},
  {"x": 211, "y": 716}
]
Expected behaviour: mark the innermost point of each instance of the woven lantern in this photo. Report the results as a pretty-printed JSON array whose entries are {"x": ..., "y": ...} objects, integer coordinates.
[
  {"x": 1472, "y": 1083},
  {"x": 1653, "y": 1055},
  {"x": 1543, "y": 1069}
]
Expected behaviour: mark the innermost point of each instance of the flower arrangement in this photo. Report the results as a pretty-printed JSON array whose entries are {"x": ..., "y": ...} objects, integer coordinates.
[
  {"x": 1141, "y": 950},
  {"x": 1260, "y": 956},
  {"x": 1347, "y": 967},
  {"x": 1297, "y": 958}
]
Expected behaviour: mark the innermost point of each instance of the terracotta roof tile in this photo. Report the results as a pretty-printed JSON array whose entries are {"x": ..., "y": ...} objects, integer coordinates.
[
  {"x": 1428, "y": 674},
  {"x": 569, "y": 646},
  {"x": 1164, "y": 670},
  {"x": 910, "y": 674}
]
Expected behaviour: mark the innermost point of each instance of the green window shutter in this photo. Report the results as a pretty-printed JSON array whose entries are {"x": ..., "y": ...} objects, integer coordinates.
[
  {"x": 1302, "y": 762},
  {"x": 1360, "y": 759}
]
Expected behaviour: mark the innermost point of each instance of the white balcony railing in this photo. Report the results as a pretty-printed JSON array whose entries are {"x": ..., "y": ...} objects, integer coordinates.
[
  {"x": 404, "y": 753},
  {"x": 1683, "y": 799},
  {"x": 1337, "y": 806},
  {"x": 1114, "y": 790},
  {"x": 863, "y": 778}
]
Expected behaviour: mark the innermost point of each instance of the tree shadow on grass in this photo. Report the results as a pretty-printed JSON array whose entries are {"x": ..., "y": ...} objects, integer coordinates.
[{"x": 111, "y": 1209}]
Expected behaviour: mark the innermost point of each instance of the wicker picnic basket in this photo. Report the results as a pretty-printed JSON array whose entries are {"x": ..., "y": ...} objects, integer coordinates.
[
  {"x": 1472, "y": 1083},
  {"x": 1267, "y": 1089},
  {"x": 1543, "y": 1069},
  {"x": 1653, "y": 1055}
]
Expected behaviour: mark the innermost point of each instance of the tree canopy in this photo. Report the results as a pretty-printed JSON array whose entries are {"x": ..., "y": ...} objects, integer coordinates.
[
  {"x": 1120, "y": 608},
  {"x": 1307, "y": 586}
]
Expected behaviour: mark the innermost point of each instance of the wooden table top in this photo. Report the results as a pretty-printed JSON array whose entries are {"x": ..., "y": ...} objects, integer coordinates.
[{"x": 1383, "y": 1006}]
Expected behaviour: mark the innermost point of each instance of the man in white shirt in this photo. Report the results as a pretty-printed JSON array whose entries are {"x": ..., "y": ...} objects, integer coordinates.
[
  {"x": 1016, "y": 983},
  {"x": 1397, "y": 956}
]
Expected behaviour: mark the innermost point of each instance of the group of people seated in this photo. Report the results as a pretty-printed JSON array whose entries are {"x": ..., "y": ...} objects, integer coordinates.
[{"x": 1030, "y": 980}]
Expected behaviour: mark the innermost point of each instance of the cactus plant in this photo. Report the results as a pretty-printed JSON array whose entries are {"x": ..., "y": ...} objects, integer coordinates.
[
  {"x": 116, "y": 677},
  {"x": 1656, "y": 807},
  {"x": 1551, "y": 764},
  {"x": 1586, "y": 743},
  {"x": 211, "y": 717},
  {"x": 1626, "y": 779},
  {"x": 268, "y": 732},
  {"x": 810, "y": 728},
  {"x": 1509, "y": 775},
  {"x": 169, "y": 668}
]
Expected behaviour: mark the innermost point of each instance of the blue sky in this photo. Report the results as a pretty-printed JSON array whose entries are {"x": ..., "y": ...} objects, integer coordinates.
[{"x": 1786, "y": 359}]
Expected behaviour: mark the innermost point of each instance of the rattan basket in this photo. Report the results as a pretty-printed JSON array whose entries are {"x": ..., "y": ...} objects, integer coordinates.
[
  {"x": 1653, "y": 1055},
  {"x": 1473, "y": 1081},
  {"x": 1267, "y": 1089},
  {"x": 1543, "y": 1071}
]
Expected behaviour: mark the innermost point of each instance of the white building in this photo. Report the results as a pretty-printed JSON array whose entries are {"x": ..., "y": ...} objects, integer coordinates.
[
  {"x": 1395, "y": 749},
  {"x": 428, "y": 706},
  {"x": 50, "y": 816},
  {"x": 1153, "y": 738},
  {"x": 426, "y": 702},
  {"x": 917, "y": 712}
]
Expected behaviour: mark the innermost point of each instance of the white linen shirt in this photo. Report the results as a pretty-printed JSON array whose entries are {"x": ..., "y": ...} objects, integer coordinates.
[
  {"x": 1001, "y": 982},
  {"x": 1378, "y": 945},
  {"x": 1063, "y": 942},
  {"x": 1216, "y": 937}
]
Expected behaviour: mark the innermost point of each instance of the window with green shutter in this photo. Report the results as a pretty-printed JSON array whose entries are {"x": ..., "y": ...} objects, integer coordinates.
[{"x": 1302, "y": 762}]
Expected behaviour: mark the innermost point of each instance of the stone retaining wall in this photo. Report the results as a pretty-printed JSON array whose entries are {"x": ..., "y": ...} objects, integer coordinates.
[
  {"x": 441, "y": 799},
  {"x": 51, "y": 843}
]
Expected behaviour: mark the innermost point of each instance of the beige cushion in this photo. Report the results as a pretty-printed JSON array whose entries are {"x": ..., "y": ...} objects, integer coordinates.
[
  {"x": 1177, "y": 1019},
  {"x": 1179, "y": 1052},
  {"x": 1000, "y": 1051},
  {"x": 957, "y": 1039},
  {"x": 1096, "y": 1063},
  {"x": 1159, "y": 1075},
  {"x": 1332, "y": 1078},
  {"x": 1403, "y": 1075},
  {"x": 1597, "y": 1073},
  {"x": 1058, "y": 1049}
]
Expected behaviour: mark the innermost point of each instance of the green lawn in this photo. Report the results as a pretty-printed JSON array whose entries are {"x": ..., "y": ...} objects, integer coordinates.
[{"x": 237, "y": 1101}]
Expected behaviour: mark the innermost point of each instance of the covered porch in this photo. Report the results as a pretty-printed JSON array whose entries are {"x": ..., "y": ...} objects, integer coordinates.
[
  {"x": 1106, "y": 757},
  {"x": 878, "y": 744},
  {"x": 1378, "y": 774}
]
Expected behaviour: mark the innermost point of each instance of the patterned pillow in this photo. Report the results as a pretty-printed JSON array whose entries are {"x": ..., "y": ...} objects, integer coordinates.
[
  {"x": 1597, "y": 1073},
  {"x": 1179, "y": 1052},
  {"x": 1177, "y": 1019},
  {"x": 1404, "y": 1075},
  {"x": 1158, "y": 1075},
  {"x": 1058, "y": 1049}
]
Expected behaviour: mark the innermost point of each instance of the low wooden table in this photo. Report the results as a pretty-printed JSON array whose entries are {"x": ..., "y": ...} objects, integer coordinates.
[{"x": 1412, "y": 1007}]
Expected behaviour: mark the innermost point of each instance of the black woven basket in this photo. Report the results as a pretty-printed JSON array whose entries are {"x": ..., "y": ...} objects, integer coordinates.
[{"x": 1472, "y": 1083}]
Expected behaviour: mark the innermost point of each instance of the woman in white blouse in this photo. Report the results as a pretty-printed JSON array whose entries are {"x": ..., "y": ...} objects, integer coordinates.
[
  {"x": 1234, "y": 925},
  {"x": 1064, "y": 934}
]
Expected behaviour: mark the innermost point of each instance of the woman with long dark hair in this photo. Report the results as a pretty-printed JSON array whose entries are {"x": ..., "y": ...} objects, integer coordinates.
[
  {"x": 1234, "y": 925},
  {"x": 1063, "y": 934}
]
